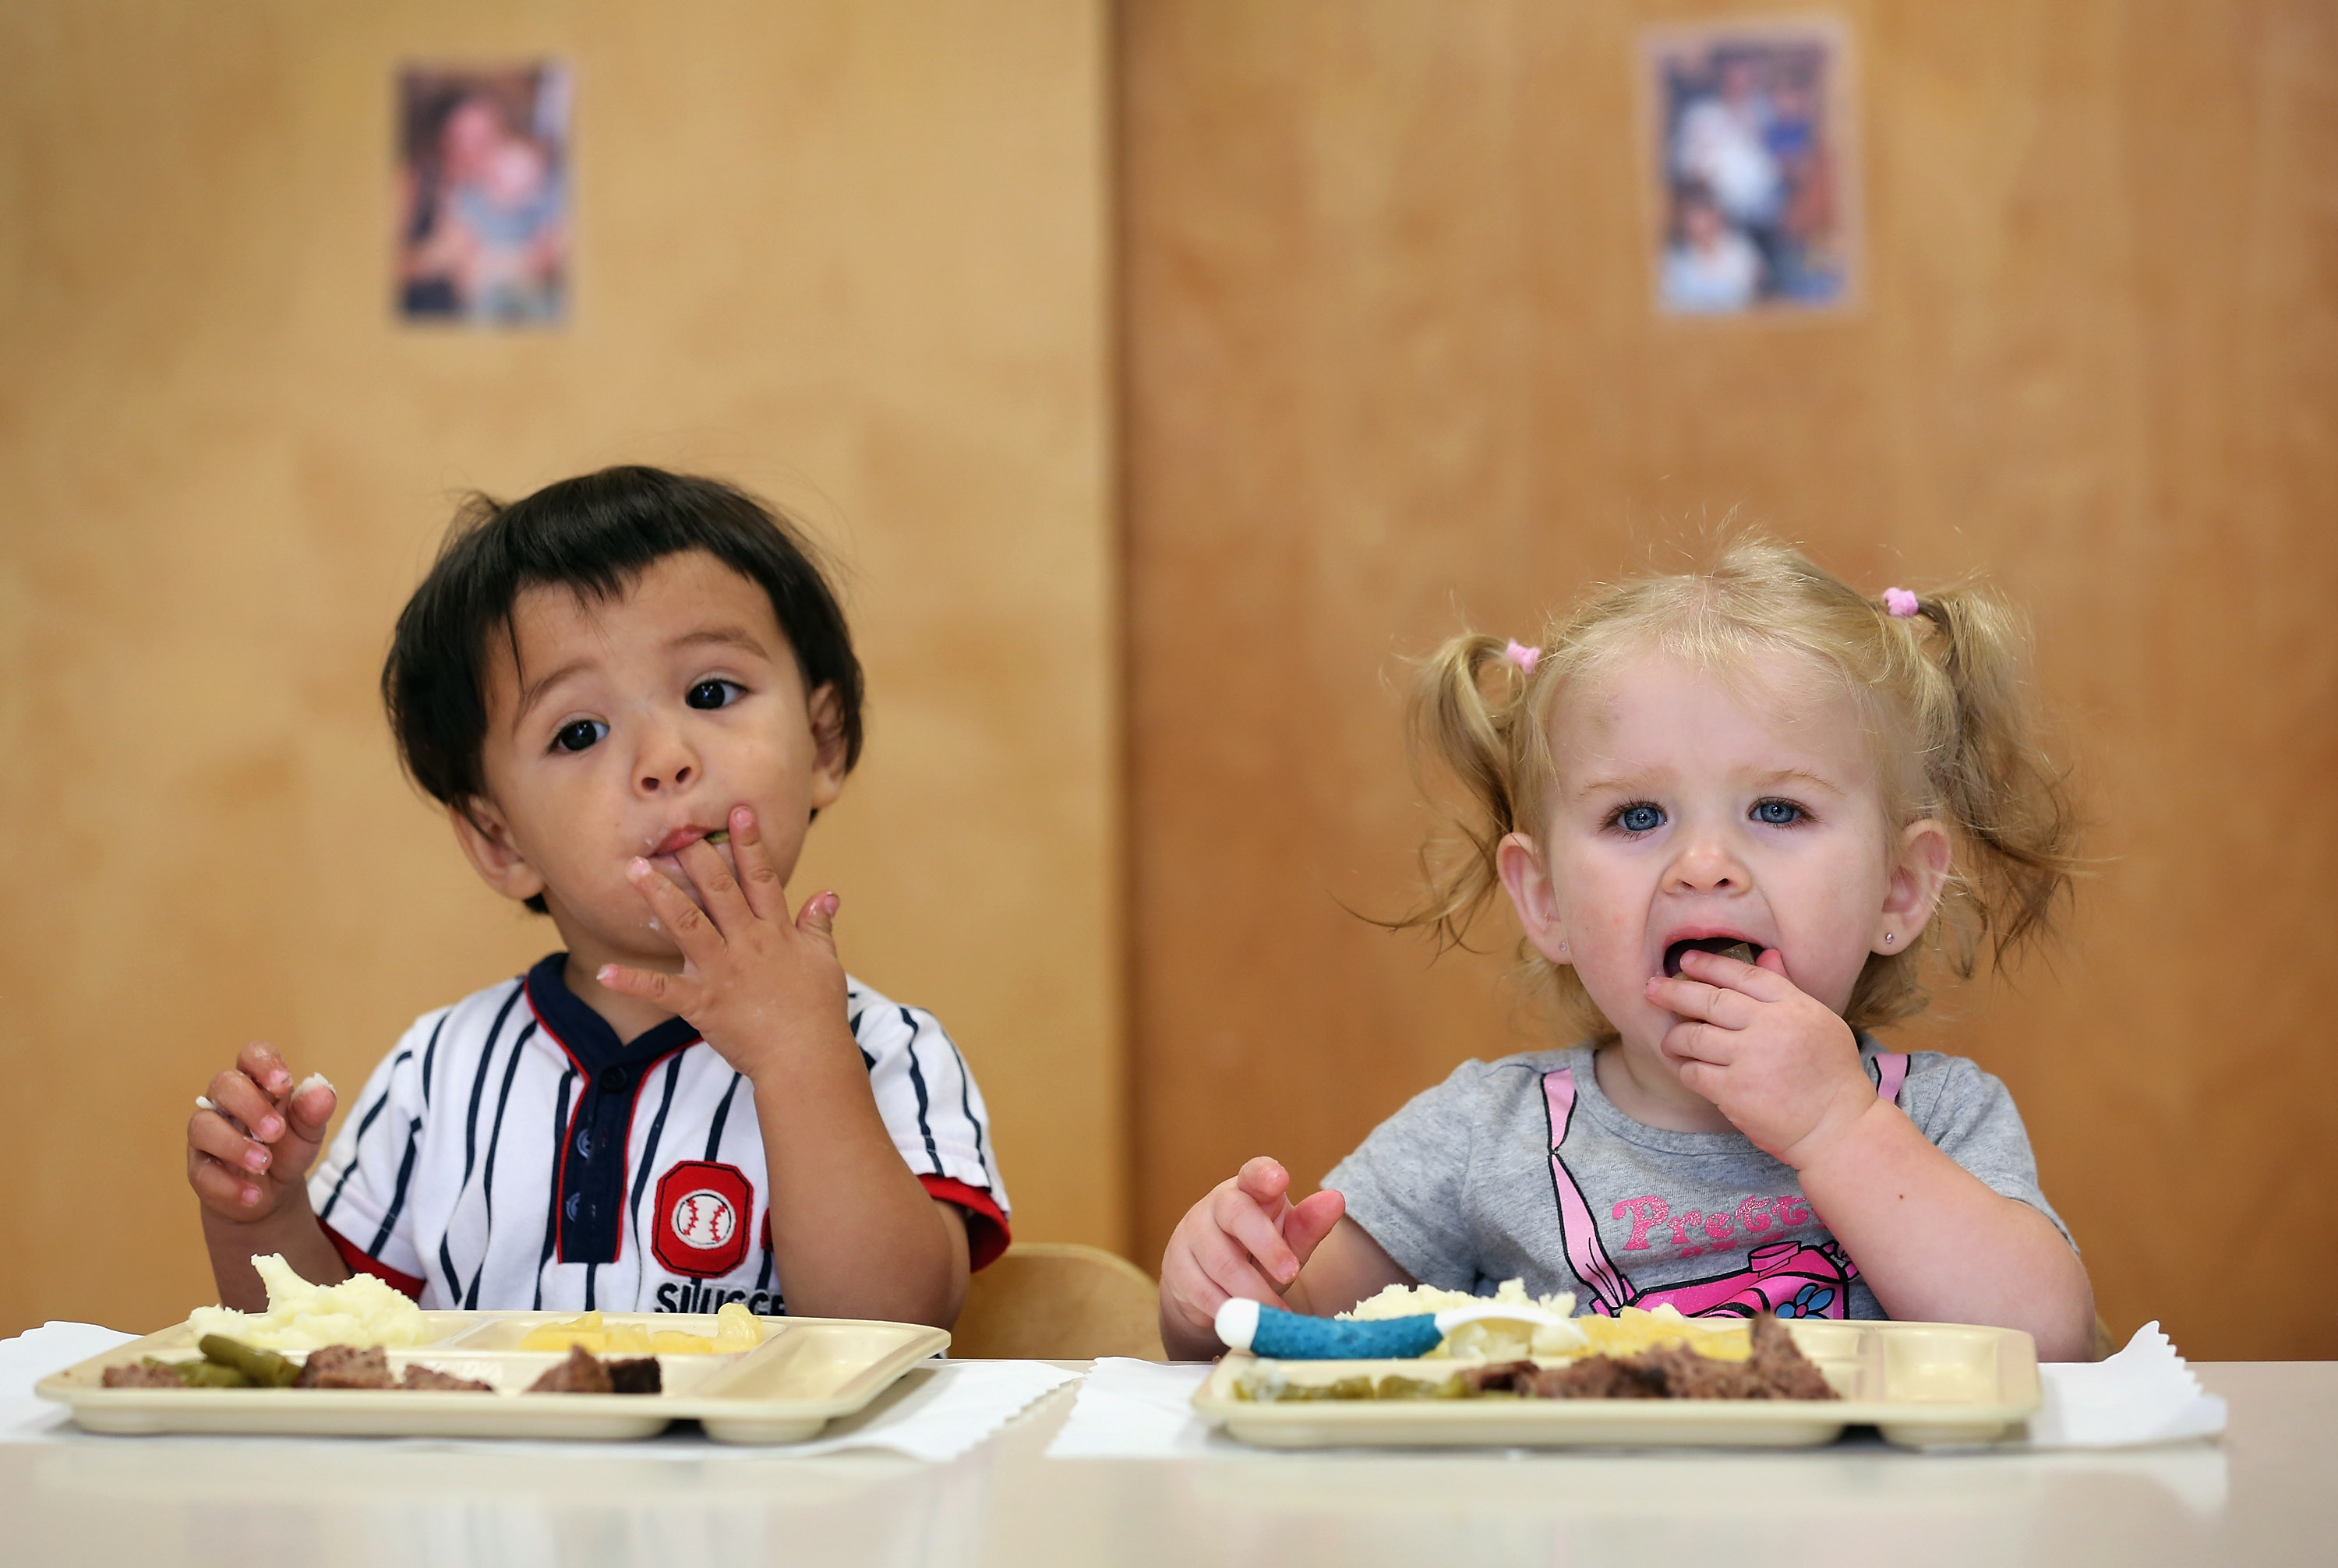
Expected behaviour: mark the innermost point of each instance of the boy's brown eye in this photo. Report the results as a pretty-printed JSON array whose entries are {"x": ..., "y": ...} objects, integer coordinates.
[
  {"x": 713, "y": 694},
  {"x": 578, "y": 734}
]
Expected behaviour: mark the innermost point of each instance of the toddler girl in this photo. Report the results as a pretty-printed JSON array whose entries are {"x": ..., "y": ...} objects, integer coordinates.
[{"x": 1734, "y": 811}]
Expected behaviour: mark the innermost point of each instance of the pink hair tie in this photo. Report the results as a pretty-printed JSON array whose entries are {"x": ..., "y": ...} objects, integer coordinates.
[
  {"x": 1524, "y": 657},
  {"x": 1898, "y": 603}
]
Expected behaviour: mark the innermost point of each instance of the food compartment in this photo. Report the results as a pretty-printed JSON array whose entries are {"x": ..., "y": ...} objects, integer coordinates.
[
  {"x": 822, "y": 1361},
  {"x": 1846, "y": 1353},
  {"x": 506, "y": 1330},
  {"x": 1927, "y": 1364},
  {"x": 512, "y": 1371}
]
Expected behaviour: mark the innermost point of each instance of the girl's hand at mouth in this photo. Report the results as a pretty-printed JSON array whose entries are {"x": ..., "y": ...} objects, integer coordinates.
[
  {"x": 758, "y": 986},
  {"x": 1778, "y": 1063}
]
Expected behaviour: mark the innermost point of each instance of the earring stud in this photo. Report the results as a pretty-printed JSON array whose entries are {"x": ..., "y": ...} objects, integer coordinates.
[{"x": 1889, "y": 938}]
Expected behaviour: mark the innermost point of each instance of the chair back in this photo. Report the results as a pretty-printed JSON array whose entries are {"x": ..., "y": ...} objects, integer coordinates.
[{"x": 1059, "y": 1301}]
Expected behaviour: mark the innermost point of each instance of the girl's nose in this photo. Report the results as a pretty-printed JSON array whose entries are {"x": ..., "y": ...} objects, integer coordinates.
[{"x": 1707, "y": 864}]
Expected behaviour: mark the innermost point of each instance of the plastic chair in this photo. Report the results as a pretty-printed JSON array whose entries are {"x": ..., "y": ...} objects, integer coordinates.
[{"x": 1060, "y": 1301}]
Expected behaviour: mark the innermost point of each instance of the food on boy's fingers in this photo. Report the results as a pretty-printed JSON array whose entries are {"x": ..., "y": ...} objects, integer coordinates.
[
  {"x": 359, "y": 1311},
  {"x": 1735, "y": 948},
  {"x": 313, "y": 1081},
  {"x": 1774, "y": 1367}
]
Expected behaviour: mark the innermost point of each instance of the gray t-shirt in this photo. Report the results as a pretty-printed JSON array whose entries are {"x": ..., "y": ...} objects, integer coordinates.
[{"x": 1522, "y": 1169}]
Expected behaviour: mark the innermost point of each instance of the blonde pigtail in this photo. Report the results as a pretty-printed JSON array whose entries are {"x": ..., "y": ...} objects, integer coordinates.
[
  {"x": 2006, "y": 798},
  {"x": 1475, "y": 733}
]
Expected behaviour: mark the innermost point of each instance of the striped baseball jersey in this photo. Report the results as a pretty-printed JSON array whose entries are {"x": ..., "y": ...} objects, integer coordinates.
[{"x": 512, "y": 1152}]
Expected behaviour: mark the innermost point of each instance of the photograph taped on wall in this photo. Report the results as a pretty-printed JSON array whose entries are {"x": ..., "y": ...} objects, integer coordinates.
[
  {"x": 1752, "y": 142},
  {"x": 483, "y": 184}
]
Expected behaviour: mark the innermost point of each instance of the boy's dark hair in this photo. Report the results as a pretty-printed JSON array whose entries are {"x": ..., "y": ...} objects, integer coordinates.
[{"x": 593, "y": 534}]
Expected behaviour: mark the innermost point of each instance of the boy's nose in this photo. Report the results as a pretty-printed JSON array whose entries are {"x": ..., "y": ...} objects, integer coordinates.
[
  {"x": 666, "y": 762},
  {"x": 673, "y": 776}
]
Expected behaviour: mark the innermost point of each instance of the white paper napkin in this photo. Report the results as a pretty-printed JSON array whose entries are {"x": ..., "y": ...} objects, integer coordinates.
[
  {"x": 937, "y": 1412},
  {"x": 1137, "y": 1410},
  {"x": 2145, "y": 1394}
]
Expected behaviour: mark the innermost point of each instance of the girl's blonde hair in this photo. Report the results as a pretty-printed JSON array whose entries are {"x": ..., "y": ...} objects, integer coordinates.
[{"x": 1943, "y": 692}]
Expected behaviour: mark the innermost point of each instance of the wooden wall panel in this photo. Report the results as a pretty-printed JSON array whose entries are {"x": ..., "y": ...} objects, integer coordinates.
[
  {"x": 1390, "y": 369},
  {"x": 851, "y": 252}
]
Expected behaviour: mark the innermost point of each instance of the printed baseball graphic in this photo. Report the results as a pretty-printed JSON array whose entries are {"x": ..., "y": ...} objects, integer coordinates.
[{"x": 703, "y": 1219}]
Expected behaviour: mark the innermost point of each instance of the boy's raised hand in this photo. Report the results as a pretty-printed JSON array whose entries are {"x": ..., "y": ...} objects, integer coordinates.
[
  {"x": 1246, "y": 1238},
  {"x": 754, "y": 982},
  {"x": 1776, "y": 1061},
  {"x": 256, "y": 1144}
]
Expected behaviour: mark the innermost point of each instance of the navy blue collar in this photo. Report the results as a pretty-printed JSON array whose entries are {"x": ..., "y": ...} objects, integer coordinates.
[{"x": 587, "y": 1035}]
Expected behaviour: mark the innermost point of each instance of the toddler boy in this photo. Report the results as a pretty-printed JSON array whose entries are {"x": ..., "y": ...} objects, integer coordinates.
[{"x": 633, "y": 691}]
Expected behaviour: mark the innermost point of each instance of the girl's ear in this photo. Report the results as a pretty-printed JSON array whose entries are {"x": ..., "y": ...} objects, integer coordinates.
[
  {"x": 1918, "y": 875},
  {"x": 828, "y": 762},
  {"x": 486, "y": 840},
  {"x": 1527, "y": 882}
]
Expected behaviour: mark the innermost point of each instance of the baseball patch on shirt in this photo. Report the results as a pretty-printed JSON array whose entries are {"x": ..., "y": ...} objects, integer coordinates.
[{"x": 703, "y": 1218}]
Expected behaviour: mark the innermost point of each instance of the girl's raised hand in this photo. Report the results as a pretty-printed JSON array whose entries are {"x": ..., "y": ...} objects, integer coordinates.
[
  {"x": 754, "y": 982},
  {"x": 257, "y": 1139},
  {"x": 1778, "y": 1063},
  {"x": 1246, "y": 1238}
]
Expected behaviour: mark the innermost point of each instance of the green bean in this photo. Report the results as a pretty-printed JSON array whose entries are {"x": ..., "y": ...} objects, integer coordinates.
[
  {"x": 261, "y": 1369},
  {"x": 211, "y": 1374}
]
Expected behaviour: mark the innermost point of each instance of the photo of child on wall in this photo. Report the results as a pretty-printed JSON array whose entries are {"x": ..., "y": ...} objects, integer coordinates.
[
  {"x": 1754, "y": 174},
  {"x": 482, "y": 195}
]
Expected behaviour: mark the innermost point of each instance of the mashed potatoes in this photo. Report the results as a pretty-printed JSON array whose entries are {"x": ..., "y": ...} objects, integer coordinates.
[{"x": 361, "y": 1310}]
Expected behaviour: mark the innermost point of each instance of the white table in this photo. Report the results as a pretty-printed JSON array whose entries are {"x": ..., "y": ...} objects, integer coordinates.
[{"x": 2269, "y": 1493}]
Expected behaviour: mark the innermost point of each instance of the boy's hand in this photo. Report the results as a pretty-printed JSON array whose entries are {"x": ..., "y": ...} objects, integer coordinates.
[
  {"x": 1778, "y": 1063},
  {"x": 757, "y": 984},
  {"x": 1245, "y": 1238},
  {"x": 252, "y": 1149}
]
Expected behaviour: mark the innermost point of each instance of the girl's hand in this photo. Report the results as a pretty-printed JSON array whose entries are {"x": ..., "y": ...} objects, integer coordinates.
[
  {"x": 1245, "y": 1238},
  {"x": 758, "y": 986},
  {"x": 255, "y": 1144},
  {"x": 1782, "y": 1066}
]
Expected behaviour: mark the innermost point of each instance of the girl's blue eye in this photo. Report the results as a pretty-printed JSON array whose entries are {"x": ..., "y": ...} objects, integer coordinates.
[
  {"x": 1640, "y": 819},
  {"x": 713, "y": 694},
  {"x": 1777, "y": 813},
  {"x": 579, "y": 734}
]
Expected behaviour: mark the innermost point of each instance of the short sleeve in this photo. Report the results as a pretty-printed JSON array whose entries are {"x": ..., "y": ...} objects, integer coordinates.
[
  {"x": 359, "y": 1189},
  {"x": 1406, "y": 1183},
  {"x": 927, "y": 1095},
  {"x": 1970, "y": 1116}
]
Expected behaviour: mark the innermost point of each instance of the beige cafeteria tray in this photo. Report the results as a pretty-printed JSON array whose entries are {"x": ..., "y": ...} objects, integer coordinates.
[
  {"x": 1921, "y": 1384},
  {"x": 807, "y": 1372}
]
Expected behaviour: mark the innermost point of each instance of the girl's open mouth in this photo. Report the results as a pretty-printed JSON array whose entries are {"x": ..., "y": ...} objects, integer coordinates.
[{"x": 1735, "y": 948}]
